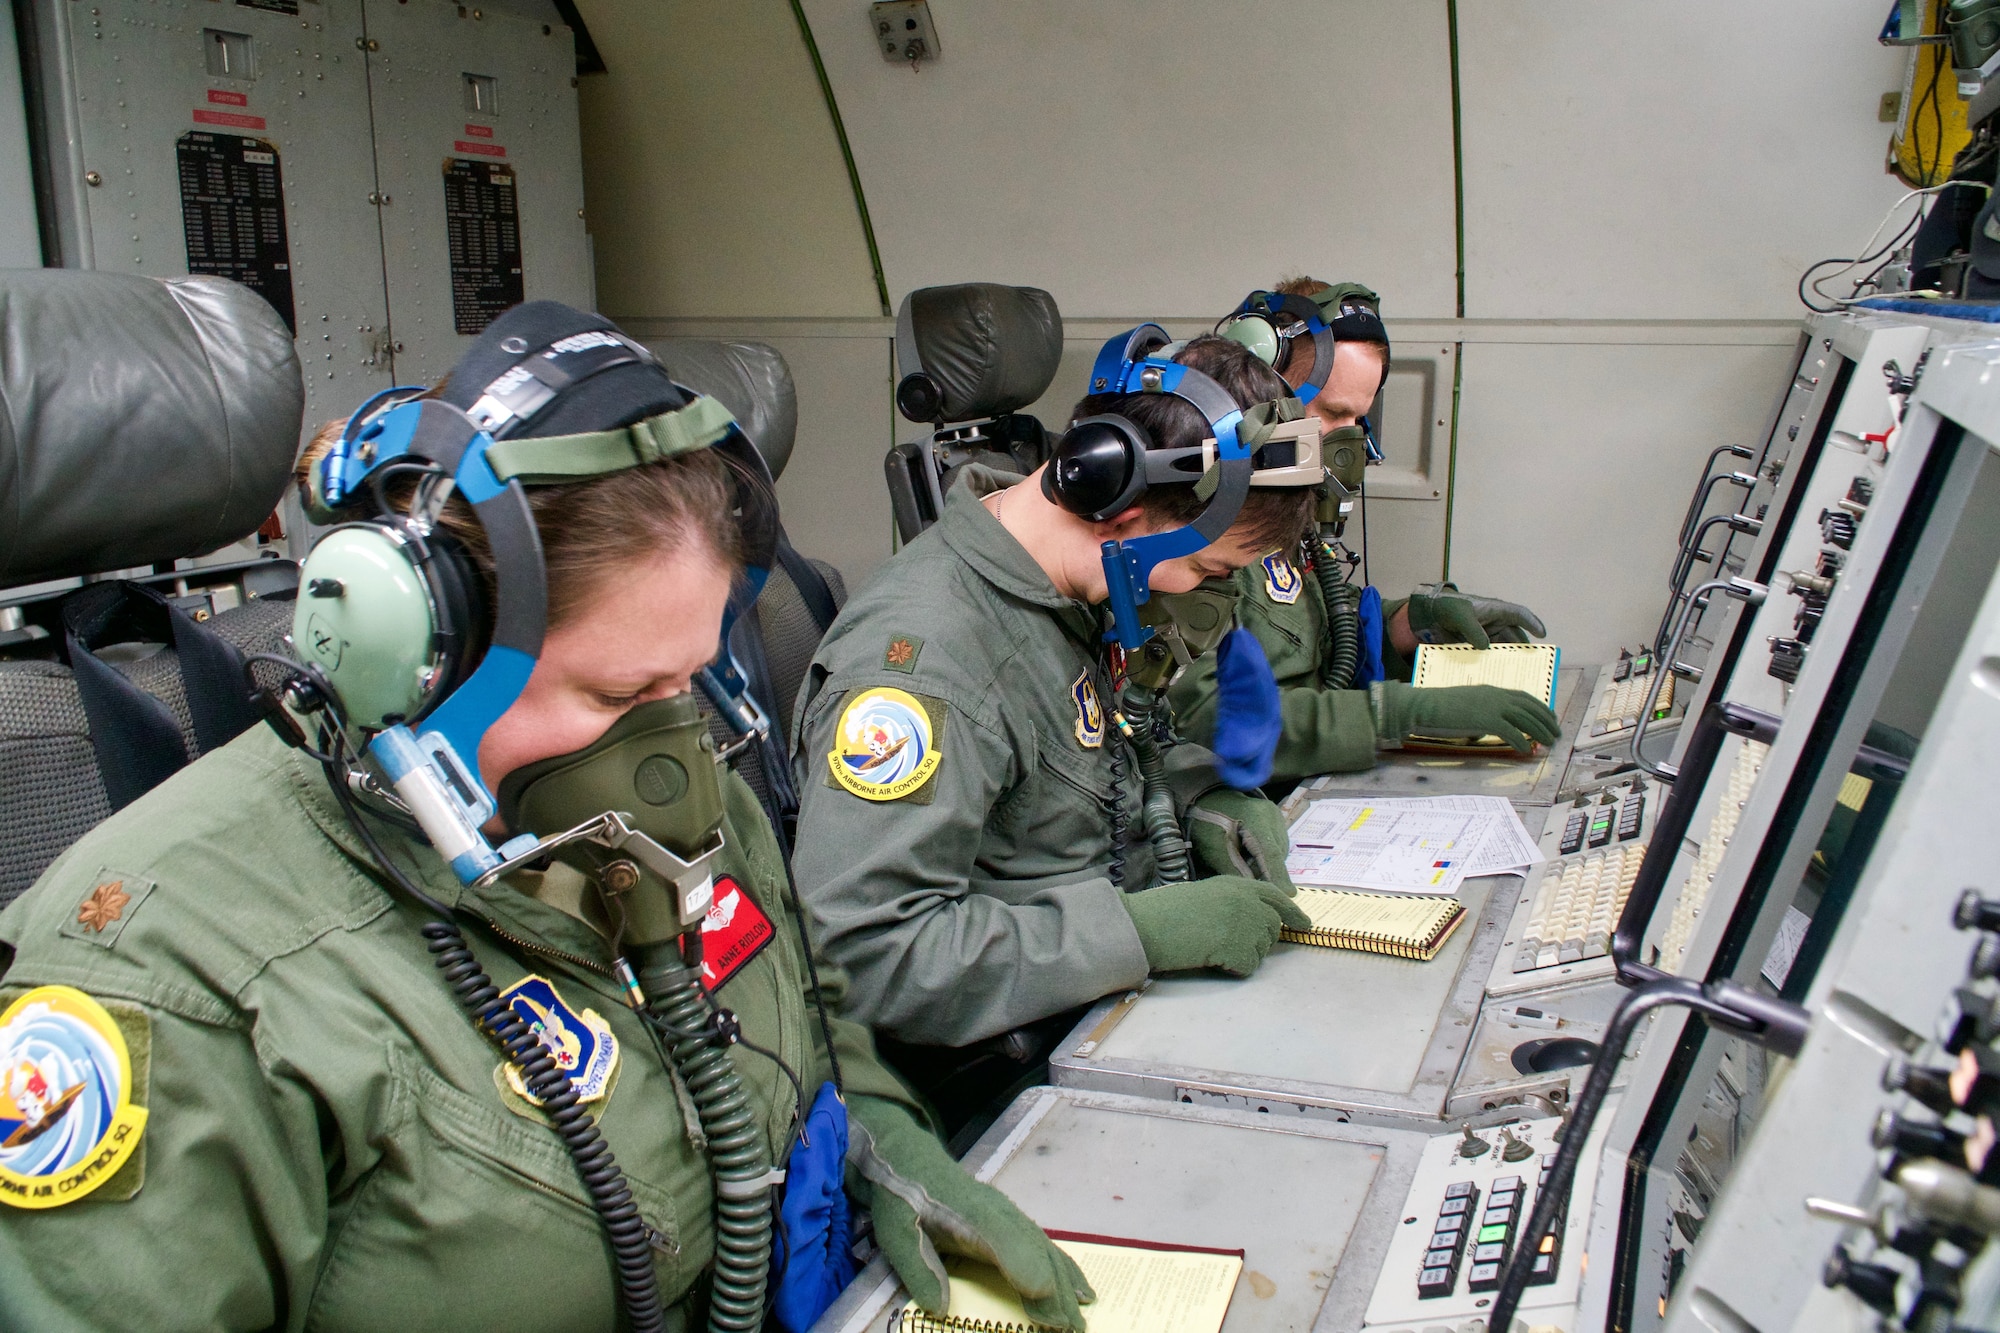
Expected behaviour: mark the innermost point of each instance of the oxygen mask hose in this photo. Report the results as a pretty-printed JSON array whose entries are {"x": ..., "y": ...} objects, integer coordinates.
[
  {"x": 1135, "y": 722},
  {"x": 698, "y": 1034},
  {"x": 1343, "y": 622}
]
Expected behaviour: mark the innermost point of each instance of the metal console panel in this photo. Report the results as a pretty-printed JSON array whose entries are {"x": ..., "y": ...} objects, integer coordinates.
[
  {"x": 1324, "y": 1034},
  {"x": 1313, "y": 1205},
  {"x": 1531, "y": 781},
  {"x": 1679, "y": 1075},
  {"x": 1884, "y": 989}
]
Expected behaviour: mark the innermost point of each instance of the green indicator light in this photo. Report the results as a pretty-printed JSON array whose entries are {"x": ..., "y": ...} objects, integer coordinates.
[{"x": 1487, "y": 1235}]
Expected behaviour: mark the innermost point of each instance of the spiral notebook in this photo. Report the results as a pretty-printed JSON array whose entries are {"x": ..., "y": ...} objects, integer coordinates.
[
  {"x": 1141, "y": 1286},
  {"x": 1402, "y": 925},
  {"x": 1528, "y": 667}
]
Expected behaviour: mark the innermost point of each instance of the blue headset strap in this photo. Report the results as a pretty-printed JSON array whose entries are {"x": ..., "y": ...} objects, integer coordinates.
[
  {"x": 435, "y": 432},
  {"x": 1122, "y": 366}
]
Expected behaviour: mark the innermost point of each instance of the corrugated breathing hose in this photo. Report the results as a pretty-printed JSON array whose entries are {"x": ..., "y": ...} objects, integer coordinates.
[
  {"x": 1135, "y": 721},
  {"x": 698, "y": 1034},
  {"x": 1343, "y": 622}
]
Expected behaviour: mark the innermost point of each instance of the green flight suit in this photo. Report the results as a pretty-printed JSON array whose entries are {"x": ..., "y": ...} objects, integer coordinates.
[
  {"x": 1324, "y": 731},
  {"x": 982, "y": 900},
  {"x": 329, "y": 1144}
]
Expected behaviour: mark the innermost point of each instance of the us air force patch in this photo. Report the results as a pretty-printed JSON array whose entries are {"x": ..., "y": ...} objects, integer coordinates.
[
  {"x": 582, "y": 1044},
  {"x": 1089, "y": 711},
  {"x": 884, "y": 746},
  {"x": 67, "y": 1122},
  {"x": 1281, "y": 580}
]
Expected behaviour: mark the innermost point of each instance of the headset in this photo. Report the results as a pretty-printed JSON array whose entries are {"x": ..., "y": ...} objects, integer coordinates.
[
  {"x": 392, "y": 617},
  {"x": 1104, "y": 463},
  {"x": 1268, "y": 323}
]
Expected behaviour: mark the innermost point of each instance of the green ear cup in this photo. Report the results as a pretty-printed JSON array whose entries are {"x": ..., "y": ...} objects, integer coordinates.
[
  {"x": 656, "y": 766},
  {"x": 1255, "y": 333},
  {"x": 365, "y": 618}
]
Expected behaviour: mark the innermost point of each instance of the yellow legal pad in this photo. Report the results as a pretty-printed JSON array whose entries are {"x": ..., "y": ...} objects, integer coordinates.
[
  {"x": 1141, "y": 1288},
  {"x": 1402, "y": 925},
  {"x": 1528, "y": 667}
]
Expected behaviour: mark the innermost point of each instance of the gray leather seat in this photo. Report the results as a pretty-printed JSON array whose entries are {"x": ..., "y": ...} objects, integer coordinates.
[
  {"x": 782, "y": 631},
  {"x": 141, "y": 421},
  {"x": 969, "y": 357}
]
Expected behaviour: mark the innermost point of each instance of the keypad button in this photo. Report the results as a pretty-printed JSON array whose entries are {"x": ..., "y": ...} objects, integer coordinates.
[
  {"x": 1489, "y": 1254},
  {"x": 1458, "y": 1189},
  {"x": 1433, "y": 1283},
  {"x": 1495, "y": 1217},
  {"x": 1489, "y": 1234},
  {"x": 1502, "y": 1199},
  {"x": 1484, "y": 1277},
  {"x": 1451, "y": 1206},
  {"x": 1505, "y": 1183}
]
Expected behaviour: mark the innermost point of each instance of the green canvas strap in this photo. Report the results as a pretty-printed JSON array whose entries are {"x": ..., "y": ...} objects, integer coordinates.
[{"x": 558, "y": 458}]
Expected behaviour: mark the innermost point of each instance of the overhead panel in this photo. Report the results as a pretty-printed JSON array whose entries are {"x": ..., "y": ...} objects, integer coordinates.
[
  {"x": 1157, "y": 156},
  {"x": 481, "y": 174},
  {"x": 204, "y": 137}
]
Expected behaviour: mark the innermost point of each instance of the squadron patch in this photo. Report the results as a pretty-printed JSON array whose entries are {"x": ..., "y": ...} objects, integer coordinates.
[
  {"x": 1281, "y": 580},
  {"x": 734, "y": 931},
  {"x": 582, "y": 1044},
  {"x": 67, "y": 1121},
  {"x": 884, "y": 747},
  {"x": 1089, "y": 711}
]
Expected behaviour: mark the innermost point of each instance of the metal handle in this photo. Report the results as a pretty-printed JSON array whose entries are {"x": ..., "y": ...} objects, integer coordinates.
[
  {"x": 1664, "y": 661},
  {"x": 1689, "y": 556},
  {"x": 1698, "y": 761},
  {"x": 1702, "y": 487}
]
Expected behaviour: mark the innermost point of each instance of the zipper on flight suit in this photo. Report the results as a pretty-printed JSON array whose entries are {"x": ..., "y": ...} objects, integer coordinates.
[{"x": 548, "y": 951}]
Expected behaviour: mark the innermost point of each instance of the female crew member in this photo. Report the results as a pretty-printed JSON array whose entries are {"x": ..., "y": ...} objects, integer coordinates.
[{"x": 238, "y": 1093}]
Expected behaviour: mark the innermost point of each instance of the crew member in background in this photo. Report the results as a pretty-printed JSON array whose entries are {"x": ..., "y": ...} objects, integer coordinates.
[
  {"x": 1337, "y": 725},
  {"x": 268, "y": 1108},
  {"x": 969, "y": 840}
]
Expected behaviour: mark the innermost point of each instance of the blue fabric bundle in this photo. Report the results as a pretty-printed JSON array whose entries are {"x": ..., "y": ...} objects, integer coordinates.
[
  {"x": 1247, "y": 721},
  {"x": 815, "y": 1266},
  {"x": 1369, "y": 669}
]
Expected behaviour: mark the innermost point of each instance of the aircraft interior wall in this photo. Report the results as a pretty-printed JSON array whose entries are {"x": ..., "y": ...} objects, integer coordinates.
[{"x": 1641, "y": 190}]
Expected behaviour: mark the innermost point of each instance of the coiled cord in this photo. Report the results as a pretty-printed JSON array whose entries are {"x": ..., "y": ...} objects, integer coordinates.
[
  {"x": 1170, "y": 852},
  {"x": 684, "y": 1011},
  {"x": 631, "y": 1246},
  {"x": 1343, "y": 622},
  {"x": 610, "y": 1196},
  {"x": 1115, "y": 807}
]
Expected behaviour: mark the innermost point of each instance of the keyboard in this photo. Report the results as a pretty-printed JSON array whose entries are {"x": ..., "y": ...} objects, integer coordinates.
[
  {"x": 1576, "y": 907},
  {"x": 1721, "y": 827},
  {"x": 1624, "y": 698}
]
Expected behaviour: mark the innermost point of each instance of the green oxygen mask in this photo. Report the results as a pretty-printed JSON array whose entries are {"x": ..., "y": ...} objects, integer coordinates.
[
  {"x": 1345, "y": 454},
  {"x": 1185, "y": 625},
  {"x": 638, "y": 811}
]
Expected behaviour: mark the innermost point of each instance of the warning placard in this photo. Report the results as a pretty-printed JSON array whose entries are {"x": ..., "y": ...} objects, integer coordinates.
[
  {"x": 483, "y": 225},
  {"x": 233, "y": 214}
]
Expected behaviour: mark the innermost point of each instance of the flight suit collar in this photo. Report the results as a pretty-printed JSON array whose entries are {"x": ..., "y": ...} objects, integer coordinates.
[
  {"x": 992, "y": 552},
  {"x": 545, "y": 931}
]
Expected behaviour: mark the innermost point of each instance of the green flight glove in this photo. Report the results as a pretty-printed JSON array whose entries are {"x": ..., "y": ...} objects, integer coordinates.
[
  {"x": 1225, "y": 922},
  {"x": 1236, "y": 833},
  {"x": 926, "y": 1205},
  {"x": 1517, "y": 717},
  {"x": 1440, "y": 613}
]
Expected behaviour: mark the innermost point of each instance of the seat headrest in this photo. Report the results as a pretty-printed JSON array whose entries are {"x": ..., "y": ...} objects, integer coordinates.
[
  {"x": 141, "y": 420},
  {"x": 750, "y": 379},
  {"x": 984, "y": 348}
]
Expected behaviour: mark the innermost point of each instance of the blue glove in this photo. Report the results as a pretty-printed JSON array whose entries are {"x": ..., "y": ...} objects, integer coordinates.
[{"x": 1247, "y": 721}]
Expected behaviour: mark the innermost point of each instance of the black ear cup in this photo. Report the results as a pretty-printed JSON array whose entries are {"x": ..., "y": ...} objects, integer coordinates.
[
  {"x": 919, "y": 399},
  {"x": 464, "y": 623},
  {"x": 1095, "y": 472}
]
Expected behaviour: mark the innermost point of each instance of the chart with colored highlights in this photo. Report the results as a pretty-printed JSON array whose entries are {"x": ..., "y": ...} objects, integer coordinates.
[{"x": 1374, "y": 845}]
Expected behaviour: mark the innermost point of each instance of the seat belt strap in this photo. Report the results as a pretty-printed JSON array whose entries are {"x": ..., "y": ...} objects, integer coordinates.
[{"x": 813, "y": 590}]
